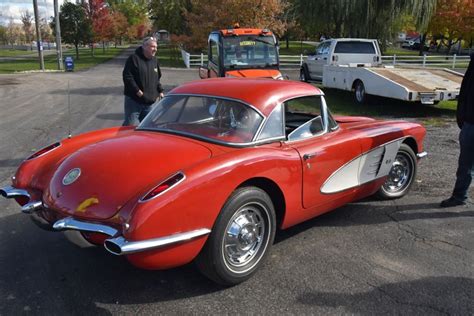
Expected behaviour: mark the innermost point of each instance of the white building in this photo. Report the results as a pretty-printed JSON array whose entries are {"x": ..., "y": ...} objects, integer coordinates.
[{"x": 13, "y": 9}]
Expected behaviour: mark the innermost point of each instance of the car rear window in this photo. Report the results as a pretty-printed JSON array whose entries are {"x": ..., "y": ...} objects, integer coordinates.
[
  {"x": 354, "y": 48},
  {"x": 221, "y": 120}
]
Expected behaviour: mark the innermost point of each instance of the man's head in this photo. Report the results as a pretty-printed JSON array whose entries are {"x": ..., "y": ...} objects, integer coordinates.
[{"x": 149, "y": 46}]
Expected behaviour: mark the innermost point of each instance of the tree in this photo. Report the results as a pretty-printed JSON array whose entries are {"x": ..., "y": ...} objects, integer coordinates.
[
  {"x": 136, "y": 12},
  {"x": 208, "y": 15},
  {"x": 453, "y": 21},
  {"x": 46, "y": 32},
  {"x": 119, "y": 26},
  {"x": 358, "y": 18},
  {"x": 75, "y": 28},
  {"x": 3, "y": 34},
  {"x": 27, "y": 20},
  {"x": 170, "y": 15},
  {"x": 13, "y": 33}
]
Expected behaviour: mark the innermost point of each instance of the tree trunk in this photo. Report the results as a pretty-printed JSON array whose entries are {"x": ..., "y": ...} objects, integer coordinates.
[
  {"x": 77, "y": 51},
  {"x": 422, "y": 44}
]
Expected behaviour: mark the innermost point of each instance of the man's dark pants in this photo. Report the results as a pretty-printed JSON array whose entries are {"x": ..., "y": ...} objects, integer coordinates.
[{"x": 465, "y": 164}]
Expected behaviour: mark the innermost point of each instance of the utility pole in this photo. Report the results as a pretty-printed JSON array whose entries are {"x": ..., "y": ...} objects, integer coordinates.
[
  {"x": 59, "y": 50},
  {"x": 38, "y": 35}
]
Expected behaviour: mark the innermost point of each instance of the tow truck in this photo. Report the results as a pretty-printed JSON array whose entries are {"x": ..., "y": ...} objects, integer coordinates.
[
  {"x": 242, "y": 52},
  {"x": 355, "y": 64}
]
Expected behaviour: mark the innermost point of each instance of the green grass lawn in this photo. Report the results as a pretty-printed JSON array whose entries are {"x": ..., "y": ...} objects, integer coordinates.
[
  {"x": 86, "y": 60},
  {"x": 296, "y": 48},
  {"x": 15, "y": 52},
  {"x": 169, "y": 56}
]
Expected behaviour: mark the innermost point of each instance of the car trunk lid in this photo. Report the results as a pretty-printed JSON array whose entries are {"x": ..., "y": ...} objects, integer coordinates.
[{"x": 97, "y": 180}]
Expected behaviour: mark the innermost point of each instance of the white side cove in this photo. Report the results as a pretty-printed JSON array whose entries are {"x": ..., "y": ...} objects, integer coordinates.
[{"x": 372, "y": 165}]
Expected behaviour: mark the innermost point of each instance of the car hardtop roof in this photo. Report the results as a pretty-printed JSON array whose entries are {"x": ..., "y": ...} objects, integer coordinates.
[
  {"x": 244, "y": 31},
  {"x": 263, "y": 94}
]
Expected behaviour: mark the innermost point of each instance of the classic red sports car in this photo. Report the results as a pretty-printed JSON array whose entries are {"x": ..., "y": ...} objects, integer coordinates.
[{"x": 213, "y": 171}]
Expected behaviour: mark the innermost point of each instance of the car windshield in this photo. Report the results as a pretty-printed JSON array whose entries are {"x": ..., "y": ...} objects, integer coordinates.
[
  {"x": 249, "y": 51},
  {"x": 221, "y": 120}
]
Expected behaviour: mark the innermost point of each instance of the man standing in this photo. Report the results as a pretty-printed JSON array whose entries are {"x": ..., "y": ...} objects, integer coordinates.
[
  {"x": 141, "y": 78},
  {"x": 465, "y": 120}
]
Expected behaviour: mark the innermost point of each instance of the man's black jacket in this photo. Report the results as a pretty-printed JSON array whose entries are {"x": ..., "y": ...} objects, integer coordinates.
[
  {"x": 465, "y": 109},
  {"x": 143, "y": 74}
]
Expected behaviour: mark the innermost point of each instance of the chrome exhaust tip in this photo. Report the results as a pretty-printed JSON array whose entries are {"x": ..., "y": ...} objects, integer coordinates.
[
  {"x": 113, "y": 247},
  {"x": 31, "y": 207},
  {"x": 11, "y": 192}
]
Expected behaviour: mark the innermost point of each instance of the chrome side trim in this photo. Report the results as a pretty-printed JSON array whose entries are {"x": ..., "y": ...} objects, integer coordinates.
[
  {"x": 11, "y": 192},
  {"x": 423, "y": 154},
  {"x": 120, "y": 246},
  {"x": 31, "y": 207},
  {"x": 73, "y": 224}
]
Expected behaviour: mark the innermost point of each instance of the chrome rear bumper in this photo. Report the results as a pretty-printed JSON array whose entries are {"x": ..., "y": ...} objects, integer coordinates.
[{"x": 118, "y": 245}]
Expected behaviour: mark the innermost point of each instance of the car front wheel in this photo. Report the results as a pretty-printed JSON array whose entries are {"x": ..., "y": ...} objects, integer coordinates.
[
  {"x": 240, "y": 239},
  {"x": 304, "y": 74},
  {"x": 401, "y": 175}
]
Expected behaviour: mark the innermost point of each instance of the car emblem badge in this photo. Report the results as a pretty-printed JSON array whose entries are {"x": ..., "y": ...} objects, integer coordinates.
[{"x": 71, "y": 176}]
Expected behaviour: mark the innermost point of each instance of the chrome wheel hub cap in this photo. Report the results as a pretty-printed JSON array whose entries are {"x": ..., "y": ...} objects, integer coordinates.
[
  {"x": 244, "y": 236},
  {"x": 399, "y": 175}
]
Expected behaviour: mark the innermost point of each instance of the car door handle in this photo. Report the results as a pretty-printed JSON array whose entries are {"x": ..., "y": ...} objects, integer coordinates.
[{"x": 309, "y": 156}]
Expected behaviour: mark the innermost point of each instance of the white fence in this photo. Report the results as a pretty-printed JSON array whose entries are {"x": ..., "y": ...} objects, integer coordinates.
[{"x": 295, "y": 61}]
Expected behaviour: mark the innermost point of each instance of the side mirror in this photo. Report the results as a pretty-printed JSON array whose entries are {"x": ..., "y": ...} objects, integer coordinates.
[{"x": 203, "y": 72}]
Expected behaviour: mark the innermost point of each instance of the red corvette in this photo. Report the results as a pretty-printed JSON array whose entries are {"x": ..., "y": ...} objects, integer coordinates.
[{"x": 213, "y": 171}]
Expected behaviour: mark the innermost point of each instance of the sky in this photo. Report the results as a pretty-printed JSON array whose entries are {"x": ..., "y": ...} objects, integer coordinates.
[{"x": 15, "y": 8}]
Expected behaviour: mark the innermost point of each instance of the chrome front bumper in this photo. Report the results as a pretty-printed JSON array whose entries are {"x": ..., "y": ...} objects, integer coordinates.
[{"x": 423, "y": 154}]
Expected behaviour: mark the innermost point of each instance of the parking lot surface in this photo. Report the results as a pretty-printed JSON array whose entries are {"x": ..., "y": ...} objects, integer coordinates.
[{"x": 405, "y": 256}]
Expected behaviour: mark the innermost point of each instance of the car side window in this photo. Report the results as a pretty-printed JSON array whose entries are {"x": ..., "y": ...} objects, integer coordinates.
[
  {"x": 303, "y": 117},
  {"x": 323, "y": 48},
  {"x": 274, "y": 125},
  {"x": 214, "y": 51}
]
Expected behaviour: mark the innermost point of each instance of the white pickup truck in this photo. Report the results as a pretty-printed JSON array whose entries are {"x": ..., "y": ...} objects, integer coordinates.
[{"x": 356, "y": 65}]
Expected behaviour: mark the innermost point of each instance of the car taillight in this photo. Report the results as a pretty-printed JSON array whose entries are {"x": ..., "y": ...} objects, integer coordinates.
[
  {"x": 44, "y": 150},
  {"x": 164, "y": 186}
]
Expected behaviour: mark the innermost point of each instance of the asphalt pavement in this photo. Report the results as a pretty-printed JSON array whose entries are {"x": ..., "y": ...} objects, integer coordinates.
[{"x": 405, "y": 256}]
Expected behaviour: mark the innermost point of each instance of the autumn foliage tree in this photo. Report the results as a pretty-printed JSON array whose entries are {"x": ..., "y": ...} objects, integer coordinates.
[
  {"x": 453, "y": 22},
  {"x": 27, "y": 21},
  {"x": 208, "y": 15}
]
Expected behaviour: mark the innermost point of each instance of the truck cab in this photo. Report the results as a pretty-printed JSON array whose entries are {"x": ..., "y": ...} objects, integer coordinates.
[
  {"x": 242, "y": 52},
  {"x": 340, "y": 51}
]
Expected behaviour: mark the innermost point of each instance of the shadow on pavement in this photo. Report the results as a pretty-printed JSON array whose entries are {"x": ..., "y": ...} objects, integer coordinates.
[
  {"x": 111, "y": 116},
  {"x": 362, "y": 213},
  {"x": 43, "y": 273},
  {"x": 428, "y": 296}
]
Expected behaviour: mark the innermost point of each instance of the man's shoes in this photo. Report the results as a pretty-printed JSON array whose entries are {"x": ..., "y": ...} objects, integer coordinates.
[{"x": 451, "y": 202}]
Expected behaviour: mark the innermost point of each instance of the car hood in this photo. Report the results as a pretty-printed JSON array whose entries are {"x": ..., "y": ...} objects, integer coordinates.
[
  {"x": 113, "y": 171},
  {"x": 254, "y": 73}
]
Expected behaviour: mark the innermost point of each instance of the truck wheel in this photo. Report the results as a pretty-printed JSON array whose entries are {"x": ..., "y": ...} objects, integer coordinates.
[
  {"x": 304, "y": 74},
  {"x": 359, "y": 92},
  {"x": 241, "y": 237}
]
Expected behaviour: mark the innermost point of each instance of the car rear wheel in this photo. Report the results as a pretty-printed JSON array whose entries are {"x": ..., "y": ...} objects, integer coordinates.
[
  {"x": 359, "y": 92},
  {"x": 401, "y": 175},
  {"x": 240, "y": 239}
]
